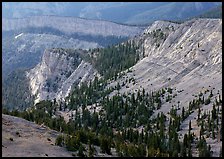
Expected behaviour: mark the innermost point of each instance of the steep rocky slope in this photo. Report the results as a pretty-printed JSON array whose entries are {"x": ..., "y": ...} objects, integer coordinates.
[
  {"x": 180, "y": 56},
  {"x": 25, "y": 40},
  {"x": 22, "y": 138},
  {"x": 187, "y": 56},
  {"x": 29, "y": 139},
  {"x": 59, "y": 69},
  {"x": 185, "y": 60}
]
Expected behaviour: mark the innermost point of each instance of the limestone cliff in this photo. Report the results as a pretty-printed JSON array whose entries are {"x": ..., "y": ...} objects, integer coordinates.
[
  {"x": 59, "y": 69},
  {"x": 186, "y": 57},
  {"x": 180, "y": 55}
]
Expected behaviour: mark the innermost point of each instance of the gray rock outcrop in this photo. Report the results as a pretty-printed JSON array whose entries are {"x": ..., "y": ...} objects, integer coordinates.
[{"x": 57, "y": 72}]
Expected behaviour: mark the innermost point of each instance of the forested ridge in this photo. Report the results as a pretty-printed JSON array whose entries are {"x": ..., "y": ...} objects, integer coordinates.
[
  {"x": 115, "y": 58},
  {"x": 97, "y": 114},
  {"x": 124, "y": 122}
]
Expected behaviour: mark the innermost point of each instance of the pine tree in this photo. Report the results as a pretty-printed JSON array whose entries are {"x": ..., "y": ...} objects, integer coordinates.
[
  {"x": 68, "y": 143},
  {"x": 183, "y": 152},
  {"x": 203, "y": 99},
  {"x": 189, "y": 108},
  {"x": 141, "y": 136},
  {"x": 213, "y": 132},
  {"x": 202, "y": 129},
  {"x": 178, "y": 123},
  {"x": 189, "y": 151},
  {"x": 183, "y": 114},
  {"x": 199, "y": 112},
  {"x": 189, "y": 127},
  {"x": 185, "y": 141},
  {"x": 211, "y": 94},
  {"x": 59, "y": 140},
  {"x": 204, "y": 150},
  {"x": 90, "y": 150},
  {"x": 209, "y": 151},
  {"x": 214, "y": 115},
  {"x": 105, "y": 145},
  {"x": 80, "y": 151}
]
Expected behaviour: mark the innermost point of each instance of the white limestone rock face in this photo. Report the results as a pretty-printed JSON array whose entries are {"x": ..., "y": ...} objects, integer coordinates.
[
  {"x": 57, "y": 72},
  {"x": 188, "y": 58},
  {"x": 163, "y": 25},
  {"x": 189, "y": 53}
]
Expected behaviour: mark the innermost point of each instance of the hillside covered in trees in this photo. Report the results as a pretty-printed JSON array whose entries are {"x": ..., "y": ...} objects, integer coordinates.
[{"x": 155, "y": 95}]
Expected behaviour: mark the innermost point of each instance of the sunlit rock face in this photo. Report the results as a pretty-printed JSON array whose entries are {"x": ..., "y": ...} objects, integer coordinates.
[
  {"x": 184, "y": 56},
  {"x": 58, "y": 70}
]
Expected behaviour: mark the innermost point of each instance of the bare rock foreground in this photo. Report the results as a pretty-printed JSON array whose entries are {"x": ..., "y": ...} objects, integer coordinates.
[{"x": 21, "y": 138}]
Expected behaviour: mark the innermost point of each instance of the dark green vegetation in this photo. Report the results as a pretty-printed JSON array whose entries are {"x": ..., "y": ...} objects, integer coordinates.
[
  {"x": 15, "y": 86},
  {"x": 123, "y": 122},
  {"x": 10, "y": 51},
  {"x": 114, "y": 59},
  {"x": 16, "y": 93},
  {"x": 109, "y": 62},
  {"x": 94, "y": 128}
]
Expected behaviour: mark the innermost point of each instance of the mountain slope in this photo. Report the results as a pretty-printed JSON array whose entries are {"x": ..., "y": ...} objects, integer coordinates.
[
  {"x": 215, "y": 12},
  {"x": 122, "y": 12},
  {"x": 24, "y": 50},
  {"x": 166, "y": 101},
  {"x": 175, "y": 55},
  {"x": 16, "y": 93},
  {"x": 25, "y": 39},
  {"x": 55, "y": 75},
  {"x": 188, "y": 53},
  {"x": 70, "y": 25},
  {"x": 171, "y": 11},
  {"x": 188, "y": 60},
  {"x": 29, "y": 139}
]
